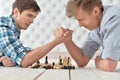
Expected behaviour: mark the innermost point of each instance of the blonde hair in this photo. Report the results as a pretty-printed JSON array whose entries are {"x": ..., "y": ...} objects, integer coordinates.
[{"x": 86, "y": 5}]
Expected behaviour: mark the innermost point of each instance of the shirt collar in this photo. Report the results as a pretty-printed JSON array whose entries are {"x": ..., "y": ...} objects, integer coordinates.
[{"x": 14, "y": 27}]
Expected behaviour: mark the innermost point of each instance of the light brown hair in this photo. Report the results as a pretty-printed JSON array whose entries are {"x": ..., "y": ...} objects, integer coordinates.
[
  {"x": 26, "y": 5},
  {"x": 86, "y": 5}
]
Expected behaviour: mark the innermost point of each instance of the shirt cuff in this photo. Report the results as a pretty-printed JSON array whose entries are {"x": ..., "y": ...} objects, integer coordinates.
[
  {"x": 113, "y": 54},
  {"x": 87, "y": 52},
  {"x": 21, "y": 55}
]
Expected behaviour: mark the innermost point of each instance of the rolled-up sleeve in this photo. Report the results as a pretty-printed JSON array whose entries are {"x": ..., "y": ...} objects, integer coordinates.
[{"x": 90, "y": 46}]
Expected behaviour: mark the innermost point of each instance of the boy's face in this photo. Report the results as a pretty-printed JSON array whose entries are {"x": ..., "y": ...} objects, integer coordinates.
[
  {"x": 88, "y": 20},
  {"x": 24, "y": 19}
]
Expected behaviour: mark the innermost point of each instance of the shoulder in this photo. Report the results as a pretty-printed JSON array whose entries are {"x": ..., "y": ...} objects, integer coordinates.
[
  {"x": 110, "y": 13},
  {"x": 111, "y": 10},
  {"x": 6, "y": 21}
]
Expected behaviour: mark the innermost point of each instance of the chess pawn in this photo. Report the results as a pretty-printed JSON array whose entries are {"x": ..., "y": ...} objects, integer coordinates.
[
  {"x": 53, "y": 65},
  {"x": 36, "y": 65},
  {"x": 38, "y": 62},
  {"x": 57, "y": 66}
]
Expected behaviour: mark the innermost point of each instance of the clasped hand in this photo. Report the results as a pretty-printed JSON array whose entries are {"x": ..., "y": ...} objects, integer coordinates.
[{"x": 63, "y": 35}]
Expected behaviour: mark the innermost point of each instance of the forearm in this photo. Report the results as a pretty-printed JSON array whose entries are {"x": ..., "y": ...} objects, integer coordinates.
[
  {"x": 38, "y": 53},
  {"x": 106, "y": 65},
  {"x": 76, "y": 53}
]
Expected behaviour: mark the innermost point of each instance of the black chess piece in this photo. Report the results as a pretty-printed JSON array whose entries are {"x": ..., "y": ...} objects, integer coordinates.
[
  {"x": 60, "y": 62},
  {"x": 53, "y": 65},
  {"x": 38, "y": 62},
  {"x": 37, "y": 65},
  {"x": 46, "y": 65},
  {"x": 46, "y": 60}
]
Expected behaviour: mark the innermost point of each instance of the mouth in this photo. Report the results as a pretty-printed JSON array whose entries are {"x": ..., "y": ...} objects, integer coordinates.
[{"x": 87, "y": 27}]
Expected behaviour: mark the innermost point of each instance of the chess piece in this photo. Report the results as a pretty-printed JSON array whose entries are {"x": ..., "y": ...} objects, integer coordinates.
[
  {"x": 70, "y": 66},
  {"x": 36, "y": 65},
  {"x": 46, "y": 65},
  {"x": 46, "y": 60},
  {"x": 38, "y": 62},
  {"x": 60, "y": 61},
  {"x": 69, "y": 62},
  {"x": 65, "y": 61},
  {"x": 53, "y": 65}
]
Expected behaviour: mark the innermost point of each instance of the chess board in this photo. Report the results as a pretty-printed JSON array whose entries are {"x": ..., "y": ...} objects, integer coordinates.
[{"x": 64, "y": 63}]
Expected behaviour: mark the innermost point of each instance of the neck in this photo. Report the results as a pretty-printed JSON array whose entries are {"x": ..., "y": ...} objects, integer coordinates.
[
  {"x": 15, "y": 18},
  {"x": 100, "y": 18}
]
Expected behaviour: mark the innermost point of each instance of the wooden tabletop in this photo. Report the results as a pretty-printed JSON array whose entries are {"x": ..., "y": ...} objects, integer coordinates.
[{"x": 90, "y": 72}]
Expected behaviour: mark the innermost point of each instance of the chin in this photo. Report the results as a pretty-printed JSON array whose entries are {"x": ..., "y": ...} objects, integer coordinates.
[
  {"x": 90, "y": 29},
  {"x": 24, "y": 28}
]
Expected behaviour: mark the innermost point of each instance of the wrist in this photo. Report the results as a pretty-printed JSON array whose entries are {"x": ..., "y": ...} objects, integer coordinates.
[
  {"x": 68, "y": 41},
  {"x": 57, "y": 41}
]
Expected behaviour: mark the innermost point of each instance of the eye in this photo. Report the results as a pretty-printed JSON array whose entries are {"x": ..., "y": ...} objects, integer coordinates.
[{"x": 29, "y": 15}]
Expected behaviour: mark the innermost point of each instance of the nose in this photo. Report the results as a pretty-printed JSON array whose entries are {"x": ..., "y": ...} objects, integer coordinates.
[{"x": 31, "y": 20}]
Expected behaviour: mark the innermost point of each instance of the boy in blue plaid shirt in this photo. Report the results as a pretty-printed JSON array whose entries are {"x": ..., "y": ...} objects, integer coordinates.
[{"x": 12, "y": 51}]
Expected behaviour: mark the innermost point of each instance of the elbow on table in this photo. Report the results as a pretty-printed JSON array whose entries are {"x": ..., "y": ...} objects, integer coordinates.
[
  {"x": 108, "y": 69},
  {"x": 81, "y": 65},
  {"x": 24, "y": 65},
  {"x": 108, "y": 65}
]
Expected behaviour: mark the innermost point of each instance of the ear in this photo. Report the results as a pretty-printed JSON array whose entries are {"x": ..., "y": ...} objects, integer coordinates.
[
  {"x": 96, "y": 11},
  {"x": 16, "y": 12}
]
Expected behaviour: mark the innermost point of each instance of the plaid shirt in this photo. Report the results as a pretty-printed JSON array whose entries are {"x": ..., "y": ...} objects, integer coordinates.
[{"x": 10, "y": 45}]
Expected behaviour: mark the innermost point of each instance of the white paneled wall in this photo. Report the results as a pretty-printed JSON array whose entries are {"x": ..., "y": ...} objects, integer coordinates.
[
  {"x": 111, "y": 2},
  {"x": 51, "y": 17}
]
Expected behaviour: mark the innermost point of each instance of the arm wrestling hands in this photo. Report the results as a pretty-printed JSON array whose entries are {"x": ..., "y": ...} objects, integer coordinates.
[{"x": 63, "y": 35}]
